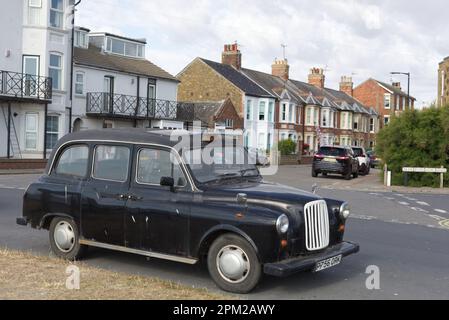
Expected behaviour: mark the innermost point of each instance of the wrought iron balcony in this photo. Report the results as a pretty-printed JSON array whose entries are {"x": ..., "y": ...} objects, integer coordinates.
[
  {"x": 25, "y": 87},
  {"x": 131, "y": 107}
]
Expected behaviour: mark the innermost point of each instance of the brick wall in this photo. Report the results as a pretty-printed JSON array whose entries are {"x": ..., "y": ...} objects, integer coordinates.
[
  {"x": 6, "y": 164},
  {"x": 199, "y": 82},
  {"x": 229, "y": 112}
]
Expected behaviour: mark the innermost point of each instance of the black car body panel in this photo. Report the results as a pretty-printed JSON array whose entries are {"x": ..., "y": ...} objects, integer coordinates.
[
  {"x": 340, "y": 162},
  {"x": 181, "y": 221}
]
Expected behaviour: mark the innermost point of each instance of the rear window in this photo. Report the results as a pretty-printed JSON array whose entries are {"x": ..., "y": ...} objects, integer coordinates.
[
  {"x": 357, "y": 152},
  {"x": 334, "y": 152},
  {"x": 73, "y": 161}
]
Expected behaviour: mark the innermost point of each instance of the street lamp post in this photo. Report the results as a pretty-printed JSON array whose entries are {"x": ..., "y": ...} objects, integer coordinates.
[{"x": 408, "y": 85}]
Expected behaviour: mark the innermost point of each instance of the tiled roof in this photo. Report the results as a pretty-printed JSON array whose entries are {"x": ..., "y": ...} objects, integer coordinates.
[
  {"x": 239, "y": 79},
  {"x": 274, "y": 85},
  {"x": 393, "y": 88},
  {"x": 93, "y": 57}
]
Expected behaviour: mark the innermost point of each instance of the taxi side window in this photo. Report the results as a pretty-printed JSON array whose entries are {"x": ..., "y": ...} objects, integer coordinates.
[
  {"x": 153, "y": 164},
  {"x": 73, "y": 161}
]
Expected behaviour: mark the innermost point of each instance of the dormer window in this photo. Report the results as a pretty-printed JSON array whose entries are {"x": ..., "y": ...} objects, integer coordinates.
[
  {"x": 81, "y": 39},
  {"x": 125, "y": 48}
]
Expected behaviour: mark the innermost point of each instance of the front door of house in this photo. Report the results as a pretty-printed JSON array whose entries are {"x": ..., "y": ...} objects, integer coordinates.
[
  {"x": 108, "y": 94},
  {"x": 31, "y": 71}
]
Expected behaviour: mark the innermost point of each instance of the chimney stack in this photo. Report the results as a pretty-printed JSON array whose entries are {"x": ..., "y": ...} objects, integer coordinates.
[
  {"x": 397, "y": 85},
  {"x": 280, "y": 68},
  {"x": 317, "y": 78},
  {"x": 347, "y": 86},
  {"x": 232, "y": 56}
]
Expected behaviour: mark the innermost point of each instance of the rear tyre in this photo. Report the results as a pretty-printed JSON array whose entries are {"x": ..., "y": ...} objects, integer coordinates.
[
  {"x": 233, "y": 264},
  {"x": 64, "y": 239},
  {"x": 356, "y": 174},
  {"x": 314, "y": 174}
]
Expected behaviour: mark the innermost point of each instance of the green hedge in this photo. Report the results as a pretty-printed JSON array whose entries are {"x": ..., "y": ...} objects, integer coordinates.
[
  {"x": 416, "y": 139},
  {"x": 287, "y": 147}
]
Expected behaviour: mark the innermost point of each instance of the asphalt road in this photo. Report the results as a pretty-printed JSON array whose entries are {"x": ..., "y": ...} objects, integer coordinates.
[{"x": 409, "y": 246}]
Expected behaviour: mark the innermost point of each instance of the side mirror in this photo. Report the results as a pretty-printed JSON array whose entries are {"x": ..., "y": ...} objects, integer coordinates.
[{"x": 168, "y": 182}]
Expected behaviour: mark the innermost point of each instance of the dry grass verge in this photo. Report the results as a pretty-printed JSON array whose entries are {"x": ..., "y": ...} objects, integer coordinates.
[{"x": 26, "y": 276}]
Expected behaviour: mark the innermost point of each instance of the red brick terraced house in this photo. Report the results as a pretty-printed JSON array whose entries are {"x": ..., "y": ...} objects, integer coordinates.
[
  {"x": 386, "y": 99},
  {"x": 275, "y": 107}
]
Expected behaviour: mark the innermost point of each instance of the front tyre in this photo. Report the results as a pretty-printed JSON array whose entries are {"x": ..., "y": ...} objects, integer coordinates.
[
  {"x": 233, "y": 264},
  {"x": 64, "y": 239}
]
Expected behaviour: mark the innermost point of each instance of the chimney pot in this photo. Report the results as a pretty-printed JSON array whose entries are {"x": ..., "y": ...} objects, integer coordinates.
[
  {"x": 232, "y": 56},
  {"x": 347, "y": 86},
  {"x": 317, "y": 77},
  {"x": 280, "y": 68}
]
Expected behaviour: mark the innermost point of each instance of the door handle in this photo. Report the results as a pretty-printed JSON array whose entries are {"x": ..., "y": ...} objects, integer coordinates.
[{"x": 133, "y": 198}]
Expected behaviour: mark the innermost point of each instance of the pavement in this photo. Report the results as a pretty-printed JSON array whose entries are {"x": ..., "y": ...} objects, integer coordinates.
[{"x": 402, "y": 234}]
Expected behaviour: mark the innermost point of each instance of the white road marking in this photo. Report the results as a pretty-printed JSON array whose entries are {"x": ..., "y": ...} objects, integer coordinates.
[
  {"x": 438, "y": 218},
  {"x": 419, "y": 209},
  {"x": 411, "y": 199},
  {"x": 423, "y": 203},
  {"x": 390, "y": 198},
  {"x": 404, "y": 203},
  {"x": 440, "y": 211}
]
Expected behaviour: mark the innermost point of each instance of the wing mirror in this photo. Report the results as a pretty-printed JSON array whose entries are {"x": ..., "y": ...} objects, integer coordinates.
[{"x": 168, "y": 182}]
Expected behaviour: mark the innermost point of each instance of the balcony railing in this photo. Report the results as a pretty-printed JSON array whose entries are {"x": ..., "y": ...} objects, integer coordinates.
[
  {"x": 25, "y": 86},
  {"x": 132, "y": 107}
]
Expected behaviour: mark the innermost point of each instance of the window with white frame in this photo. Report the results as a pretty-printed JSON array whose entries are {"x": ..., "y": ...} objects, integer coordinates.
[
  {"x": 57, "y": 13},
  {"x": 291, "y": 114},
  {"x": 55, "y": 70},
  {"x": 386, "y": 120},
  {"x": 356, "y": 122},
  {"x": 387, "y": 101},
  {"x": 262, "y": 110},
  {"x": 271, "y": 111},
  {"x": 248, "y": 110},
  {"x": 81, "y": 39},
  {"x": 371, "y": 125},
  {"x": 309, "y": 120},
  {"x": 52, "y": 131},
  {"x": 324, "y": 118},
  {"x": 34, "y": 12},
  {"x": 229, "y": 123},
  {"x": 284, "y": 112},
  {"x": 31, "y": 127},
  {"x": 79, "y": 83},
  {"x": 343, "y": 120},
  {"x": 125, "y": 48},
  {"x": 316, "y": 117},
  {"x": 299, "y": 115}
]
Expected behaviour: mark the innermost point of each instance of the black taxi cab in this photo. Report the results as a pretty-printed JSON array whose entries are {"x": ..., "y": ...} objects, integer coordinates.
[{"x": 134, "y": 191}]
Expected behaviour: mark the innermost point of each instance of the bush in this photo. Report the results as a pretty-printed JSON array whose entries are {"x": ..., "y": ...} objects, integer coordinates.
[
  {"x": 287, "y": 147},
  {"x": 416, "y": 139}
]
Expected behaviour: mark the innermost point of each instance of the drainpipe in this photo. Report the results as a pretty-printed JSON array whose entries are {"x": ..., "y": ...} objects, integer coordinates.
[
  {"x": 71, "y": 64},
  {"x": 9, "y": 131}
]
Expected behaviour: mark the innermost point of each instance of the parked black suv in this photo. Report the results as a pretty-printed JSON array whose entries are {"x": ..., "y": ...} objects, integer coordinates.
[
  {"x": 335, "y": 159},
  {"x": 134, "y": 191}
]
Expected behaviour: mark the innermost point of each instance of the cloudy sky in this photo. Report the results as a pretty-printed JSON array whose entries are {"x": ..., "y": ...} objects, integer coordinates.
[{"x": 361, "y": 38}]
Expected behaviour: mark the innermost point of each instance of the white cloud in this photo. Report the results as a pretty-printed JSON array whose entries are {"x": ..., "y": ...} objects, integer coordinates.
[{"x": 367, "y": 38}]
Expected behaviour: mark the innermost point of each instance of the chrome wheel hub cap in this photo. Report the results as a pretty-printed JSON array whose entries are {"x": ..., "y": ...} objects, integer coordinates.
[
  {"x": 233, "y": 264},
  {"x": 64, "y": 236}
]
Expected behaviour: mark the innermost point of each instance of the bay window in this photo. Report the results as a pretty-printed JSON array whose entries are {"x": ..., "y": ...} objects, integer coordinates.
[
  {"x": 262, "y": 110},
  {"x": 57, "y": 13},
  {"x": 55, "y": 70}
]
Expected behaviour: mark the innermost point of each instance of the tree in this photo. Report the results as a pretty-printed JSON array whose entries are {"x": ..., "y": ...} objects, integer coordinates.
[{"x": 416, "y": 139}]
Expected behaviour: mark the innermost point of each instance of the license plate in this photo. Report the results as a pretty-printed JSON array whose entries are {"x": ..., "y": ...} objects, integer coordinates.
[
  {"x": 328, "y": 263},
  {"x": 332, "y": 160}
]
